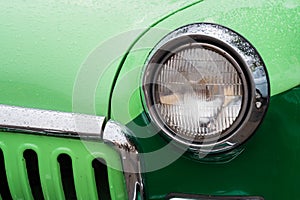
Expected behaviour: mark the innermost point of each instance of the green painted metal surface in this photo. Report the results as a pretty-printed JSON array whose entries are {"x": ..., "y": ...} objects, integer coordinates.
[
  {"x": 45, "y": 45},
  {"x": 272, "y": 27},
  {"x": 48, "y": 149},
  {"x": 268, "y": 167}
]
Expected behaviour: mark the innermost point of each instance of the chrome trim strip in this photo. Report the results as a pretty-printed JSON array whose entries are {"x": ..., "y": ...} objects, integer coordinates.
[
  {"x": 50, "y": 122},
  {"x": 120, "y": 137}
]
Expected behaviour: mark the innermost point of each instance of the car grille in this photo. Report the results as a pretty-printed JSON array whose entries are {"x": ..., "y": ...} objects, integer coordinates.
[{"x": 45, "y": 167}]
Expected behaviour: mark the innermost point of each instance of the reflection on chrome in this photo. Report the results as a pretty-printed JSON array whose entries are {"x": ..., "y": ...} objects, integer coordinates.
[
  {"x": 29, "y": 120},
  {"x": 120, "y": 137},
  {"x": 260, "y": 81}
]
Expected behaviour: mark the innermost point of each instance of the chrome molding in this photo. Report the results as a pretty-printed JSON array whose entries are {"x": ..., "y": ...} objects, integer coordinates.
[
  {"x": 48, "y": 122},
  {"x": 119, "y": 137}
]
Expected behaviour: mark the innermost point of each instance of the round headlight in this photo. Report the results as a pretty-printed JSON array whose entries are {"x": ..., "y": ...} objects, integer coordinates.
[
  {"x": 200, "y": 87},
  {"x": 198, "y": 92}
]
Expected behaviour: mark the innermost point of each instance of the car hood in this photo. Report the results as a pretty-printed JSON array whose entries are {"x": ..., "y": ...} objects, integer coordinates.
[{"x": 45, "y": 44}]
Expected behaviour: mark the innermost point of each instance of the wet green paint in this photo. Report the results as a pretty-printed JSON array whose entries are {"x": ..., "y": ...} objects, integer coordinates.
[{"x": 268, "y": 167}]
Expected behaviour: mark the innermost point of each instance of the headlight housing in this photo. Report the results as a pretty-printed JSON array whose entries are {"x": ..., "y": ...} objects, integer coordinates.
[{"x": 205, "y": 87}]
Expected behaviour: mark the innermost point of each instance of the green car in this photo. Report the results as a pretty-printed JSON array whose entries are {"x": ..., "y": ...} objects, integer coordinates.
[{"x": 176, "y": 99}]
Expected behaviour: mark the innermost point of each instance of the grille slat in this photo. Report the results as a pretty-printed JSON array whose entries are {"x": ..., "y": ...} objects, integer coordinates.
[
  {"x": 50, "y": 175},
  {"x": 16, "y": 172},
  {"x": 83, "y": 173}
]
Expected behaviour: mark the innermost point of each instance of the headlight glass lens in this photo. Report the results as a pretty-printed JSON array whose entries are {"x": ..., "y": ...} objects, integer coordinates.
[{"x": 198, "y": 92}]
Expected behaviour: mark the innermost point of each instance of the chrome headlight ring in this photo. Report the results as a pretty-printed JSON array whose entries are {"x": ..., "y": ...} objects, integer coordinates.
[{"x": 206, "y": 87}]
